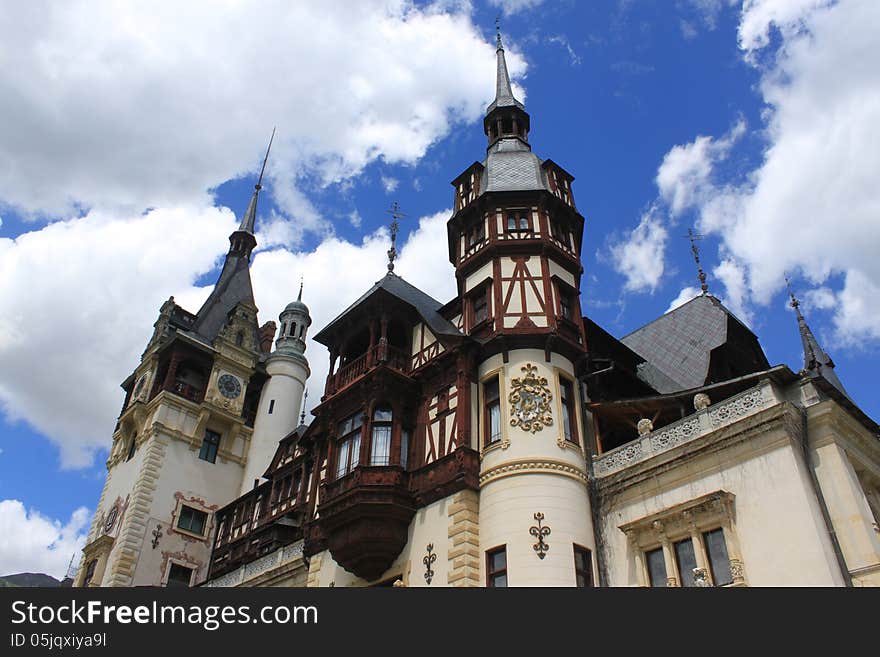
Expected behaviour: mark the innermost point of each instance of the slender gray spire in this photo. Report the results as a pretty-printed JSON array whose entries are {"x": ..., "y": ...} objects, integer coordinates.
[
  {"x": 503, "y": 92},
  {"x": 816, "y": 361},
  {"x": 299, "y": 297},
  {"x": 249, "y": 219}
]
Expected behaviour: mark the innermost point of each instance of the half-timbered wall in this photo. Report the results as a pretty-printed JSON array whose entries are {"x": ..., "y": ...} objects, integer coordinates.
[
  {"x": 522, "y": 294},
  {"x": 425, "y": 346},
  {"x": 440, "y": 432}
]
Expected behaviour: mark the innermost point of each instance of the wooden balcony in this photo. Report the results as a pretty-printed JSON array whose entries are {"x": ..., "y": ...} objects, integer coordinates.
[{"x": 378, "y": 355}]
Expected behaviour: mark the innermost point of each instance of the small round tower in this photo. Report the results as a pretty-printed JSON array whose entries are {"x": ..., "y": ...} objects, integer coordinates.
[{"x": 281, "y": 399}]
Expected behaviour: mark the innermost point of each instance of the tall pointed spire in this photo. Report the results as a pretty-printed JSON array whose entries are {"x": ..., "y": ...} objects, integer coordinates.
[
  {"x": 695, "y": 250},
  {"x": 503, "y": 91},
  {"x": 249, "y": 219},
  {"x": 816, "y": 361}
]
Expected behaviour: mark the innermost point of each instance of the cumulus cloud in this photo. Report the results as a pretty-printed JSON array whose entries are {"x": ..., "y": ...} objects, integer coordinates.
[
  {"x": 683, "y": 297},
  {"x": 126, "y": 105},
  {"x": 684, "y": 176},
  {"x": 31, "y": 542},
  {"x": 389, "y": 184},
  {"x": 640, "y": 257}
]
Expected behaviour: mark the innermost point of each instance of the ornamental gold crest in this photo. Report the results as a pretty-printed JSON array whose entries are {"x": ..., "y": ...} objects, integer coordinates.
[{"x": 530, "y": 401}]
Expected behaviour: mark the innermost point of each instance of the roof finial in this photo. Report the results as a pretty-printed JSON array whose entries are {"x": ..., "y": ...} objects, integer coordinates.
[
  {"x": 300, "y": 295},
  {"x": 392, "y": 252},
  {"x": 693, "y": 237},
  {"x": 302, "y": 416},
  {"x": 498, "y": 32},
  {"x": 250, "y": 216},
  {"x": 259, "y": 184}
]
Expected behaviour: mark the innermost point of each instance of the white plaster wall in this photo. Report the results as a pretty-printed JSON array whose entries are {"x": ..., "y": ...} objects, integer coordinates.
[
  {"x": 778, "y": 522},
  {"x": 507, "y": 508},
  {"x": 478, "y": 277},
  {"x": 287, "y": 381}
]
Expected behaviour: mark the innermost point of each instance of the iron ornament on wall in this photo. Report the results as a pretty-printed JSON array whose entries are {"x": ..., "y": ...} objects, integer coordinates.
[
  {"x": 429, "y": 560},
  {"x": 540, "y": 532}
]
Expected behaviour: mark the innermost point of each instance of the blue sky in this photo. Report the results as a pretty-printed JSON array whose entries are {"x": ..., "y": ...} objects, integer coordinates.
[{"x": 132, "y": 144}]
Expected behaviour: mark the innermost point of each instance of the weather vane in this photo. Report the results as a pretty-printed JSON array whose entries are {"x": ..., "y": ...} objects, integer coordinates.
[
  {"x": 395, "y": 215},
  {"x": 794, "y": 300},
  {"x": 693, "y": 237}
]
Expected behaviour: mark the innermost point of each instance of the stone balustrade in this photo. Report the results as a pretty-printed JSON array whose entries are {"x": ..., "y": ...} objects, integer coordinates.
[{"x": 685, "y": 430}]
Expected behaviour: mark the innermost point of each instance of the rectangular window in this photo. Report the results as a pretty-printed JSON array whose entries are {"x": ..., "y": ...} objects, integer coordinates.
[
  {"x": 583, "y": 567},
  {"x": 348, "y": 451},
  {"x": 559, "y": 233},
  {"x": 192, "y": 520},
  {"x": 179, "y": 575},
  {"x": 719, "y": 563},
  {"x": 496, "y": 567},
  {"x": 381, "y": 448},
  {"x": 404, "y": 448},
  {"x": 476, "y": 235},
  {"x": 686, "y": 561},
  {"x": 656, "y": 567},
  {"x": 481, "y": 306},
  {"x": 518, "y": 221},
  {"x": 492, "y": 412},
  {"x": 569, "y": 426},
  {"x": 271, "y": 406},
  {"x": 210, "y": 446}
]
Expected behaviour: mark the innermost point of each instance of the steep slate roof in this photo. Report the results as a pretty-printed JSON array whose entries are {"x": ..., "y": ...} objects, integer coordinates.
[
  {"x": 510, "y": 165},
  {"x": 426, "y": 306},
  {"x": 678, "y": 345},
  {"x": 232, "y": 288}
]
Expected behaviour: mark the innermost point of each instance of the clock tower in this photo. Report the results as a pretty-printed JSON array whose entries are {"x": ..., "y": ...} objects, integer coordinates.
[{"x": 185, "y": 437}]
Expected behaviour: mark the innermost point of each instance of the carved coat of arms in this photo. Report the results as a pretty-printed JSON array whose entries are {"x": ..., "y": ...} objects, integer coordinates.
[{"x": 530, "y": 401}]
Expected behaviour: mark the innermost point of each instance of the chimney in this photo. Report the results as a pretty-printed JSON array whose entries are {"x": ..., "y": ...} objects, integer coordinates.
[{"x": 267, "y": 335}]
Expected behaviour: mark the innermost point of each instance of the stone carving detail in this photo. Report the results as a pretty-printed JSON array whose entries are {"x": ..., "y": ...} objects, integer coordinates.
[
  {"x": 678, "y": 433},
  {"x": 700, "y": 578},
  {"x": 645, "y": 426},
  {"x": 736, "y": 571},
  {"x": 738, "y": 407},
  {"x": 429, "y": 560},
  {"x": 701, "y": 401},
  {"x": 530, "y": 401},
  {"x": 540, "y": 532},
  {"x": 623, "y": 457}
]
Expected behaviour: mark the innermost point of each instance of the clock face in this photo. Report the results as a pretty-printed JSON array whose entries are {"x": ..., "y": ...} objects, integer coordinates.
[
  {"x": 111, "y": 519},
  {"x": 229, "y": 386}
]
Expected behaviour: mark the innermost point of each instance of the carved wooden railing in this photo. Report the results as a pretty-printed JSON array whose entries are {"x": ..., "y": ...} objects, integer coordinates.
[{"x": 380, "y": 354}]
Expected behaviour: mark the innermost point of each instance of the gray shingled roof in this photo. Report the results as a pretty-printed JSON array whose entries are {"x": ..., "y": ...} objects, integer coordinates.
[
  {"x": 232, "y": 288},
  {"x": 678, "y": 345},
  {"x": 426, "y": 306},
  {"x": 511, "y": 166}
]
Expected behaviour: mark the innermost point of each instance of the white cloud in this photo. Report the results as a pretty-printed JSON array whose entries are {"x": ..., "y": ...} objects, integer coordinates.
[
  {"x": 510, "y": 7},
  {"x": 389, "y": 184},
  {"x": 683, "y": 297},
  {"x": 811, "y": 206},
  {"x": 126, "y": 105},
  {"x": 684, "y": 176},
  {"x": 640, "y": 257},
  {"x": 31, "y": 542},
  {"x": 736, "y": 292}
]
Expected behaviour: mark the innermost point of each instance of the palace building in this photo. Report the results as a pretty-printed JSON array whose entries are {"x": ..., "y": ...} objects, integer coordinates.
[{"x": 500, "y": 438}]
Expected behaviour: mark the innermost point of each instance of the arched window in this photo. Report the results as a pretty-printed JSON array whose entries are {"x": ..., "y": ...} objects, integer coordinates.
[
  {"x": 293, "y": 329},
  {"x": 380, "y": 447}
]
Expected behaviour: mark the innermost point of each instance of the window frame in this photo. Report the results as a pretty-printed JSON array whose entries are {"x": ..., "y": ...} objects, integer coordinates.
[
  {"x": 353, "y": 438},
  {"x": 189, "y": 530},
  {"x": 502, "y": 572},
  {"x": 384, "y": 425},
  {"x": 569, "y": 409},
  {"x": 205, "y": 449},
  {"x": 523, "y": 221},
  {"x": 588, "y": 560},
  {"x": 487, "y": 405},
  {"x": 171, "y": 565}
]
